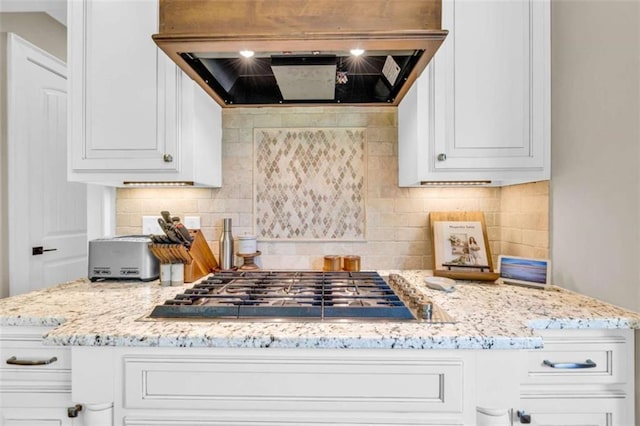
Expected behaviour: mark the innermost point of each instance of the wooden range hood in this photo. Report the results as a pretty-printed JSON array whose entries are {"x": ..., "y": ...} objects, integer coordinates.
[{"x": 301, "y": 48}]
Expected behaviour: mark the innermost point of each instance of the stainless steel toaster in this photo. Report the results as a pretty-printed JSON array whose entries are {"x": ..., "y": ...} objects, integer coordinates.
[{"x": 122, "y": 257}]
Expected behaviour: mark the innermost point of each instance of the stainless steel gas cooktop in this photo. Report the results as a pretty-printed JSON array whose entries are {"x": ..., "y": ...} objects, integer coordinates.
[{"x": 293, "y": 295}]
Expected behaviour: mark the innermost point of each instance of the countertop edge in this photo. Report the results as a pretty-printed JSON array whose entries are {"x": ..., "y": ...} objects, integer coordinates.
[{"x": 443, "y": 343}]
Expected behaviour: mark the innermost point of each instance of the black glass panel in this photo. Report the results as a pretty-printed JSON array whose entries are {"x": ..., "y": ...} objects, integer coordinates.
[{"x": 245, "y": 82}]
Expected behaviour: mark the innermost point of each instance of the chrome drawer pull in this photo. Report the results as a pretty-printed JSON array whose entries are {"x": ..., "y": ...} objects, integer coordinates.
[
  {"x": 570, "y": 365},
  {"x": 15, "y": 361}
]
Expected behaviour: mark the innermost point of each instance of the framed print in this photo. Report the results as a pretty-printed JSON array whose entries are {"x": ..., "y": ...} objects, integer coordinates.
[
  {"x": 460, "y": 246},
  {"x": 524, "y": 271}
]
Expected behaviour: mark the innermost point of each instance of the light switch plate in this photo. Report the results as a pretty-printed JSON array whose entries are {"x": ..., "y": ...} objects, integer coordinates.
[
  {"x": 192, "y": 222},
  {"x": 150, "y": 225}
]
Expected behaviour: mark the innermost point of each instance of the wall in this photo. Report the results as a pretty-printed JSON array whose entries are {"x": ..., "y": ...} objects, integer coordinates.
[
  {"x": 524, "y": 220},
  {"x": 397, "y": 232},
  {"x": 48, "y": 34},
  {"x": 595, "y": 187},
  {"x": 39, "y": 29},
  {"x": 4, "y": 243}
]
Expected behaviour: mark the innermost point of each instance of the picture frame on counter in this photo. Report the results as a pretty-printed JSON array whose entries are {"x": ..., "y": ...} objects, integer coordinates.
[
  {"x": 524, "y": 271},
  {"x": 461, "y": 246}
]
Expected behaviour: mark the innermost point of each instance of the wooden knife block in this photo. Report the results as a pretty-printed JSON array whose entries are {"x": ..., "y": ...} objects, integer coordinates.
[{"x": 198, "y": 259}]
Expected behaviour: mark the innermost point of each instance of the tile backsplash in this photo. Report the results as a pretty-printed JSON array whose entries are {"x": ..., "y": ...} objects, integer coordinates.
[
  {"x": 309, "y": 184},
  {"x": 397, "y": 234}
]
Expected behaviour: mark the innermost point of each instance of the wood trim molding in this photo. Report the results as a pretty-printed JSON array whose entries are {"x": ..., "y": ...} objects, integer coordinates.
[{"x": 273, "y": 17}]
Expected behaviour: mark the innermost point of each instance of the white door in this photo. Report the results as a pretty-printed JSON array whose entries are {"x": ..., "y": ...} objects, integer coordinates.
[{"x": 44, "y": 209}]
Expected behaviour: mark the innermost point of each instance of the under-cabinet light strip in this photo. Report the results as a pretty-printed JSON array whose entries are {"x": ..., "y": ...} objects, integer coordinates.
[
  {"x": 455, "y": 182},
  {"x": 157, "y": 183}
]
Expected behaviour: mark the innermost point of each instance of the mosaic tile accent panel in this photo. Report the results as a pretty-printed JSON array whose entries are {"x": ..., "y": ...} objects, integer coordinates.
[{"x": 310, "y": 184}]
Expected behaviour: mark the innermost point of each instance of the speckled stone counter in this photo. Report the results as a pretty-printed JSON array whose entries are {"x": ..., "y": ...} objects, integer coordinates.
[{"x": 487, "y": 316}]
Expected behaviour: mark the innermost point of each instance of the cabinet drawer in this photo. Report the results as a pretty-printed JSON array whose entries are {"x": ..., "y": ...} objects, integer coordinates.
[
  {"x": 577, "y": 411},
  {"x": 26, "y": 365},
  {"x": 41, "y": 356},
  {"x": 591, "y": 356},
  {"x": 287, "y": 383},
  {"x": 36, "y": 417}
]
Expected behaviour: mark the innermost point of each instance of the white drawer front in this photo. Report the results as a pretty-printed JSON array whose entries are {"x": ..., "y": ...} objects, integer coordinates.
[
  {"x": 129, "y": 421},
  {"x": 13, "y": 356},
  {"x": 577, "y": 412},
  {"x": 35, "y": 416},
  {"x": 26, "y": 365},
  {"x": 32, "y": 422},
  {"x": 580, "y": 358},
  {"x": 593, "y": 363},
  {"x": 283, "y": 383}
]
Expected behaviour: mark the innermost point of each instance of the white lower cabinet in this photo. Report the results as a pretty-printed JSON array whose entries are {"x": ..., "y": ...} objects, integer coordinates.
[
  {"x": 35, "y": 380},
  {"x": 189, "y": 386},
  {"x": 581, "y": 377},
  {"x": 268, "y": 387}
]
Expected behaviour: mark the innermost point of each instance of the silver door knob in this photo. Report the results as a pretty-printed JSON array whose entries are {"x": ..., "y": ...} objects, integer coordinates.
[
  {"x": 442, "y": 157},
  {"x": 168, "y": 158}
]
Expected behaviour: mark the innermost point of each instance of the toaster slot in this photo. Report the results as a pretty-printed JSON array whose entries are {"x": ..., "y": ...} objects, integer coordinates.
[{"x": 127, "y": 272}]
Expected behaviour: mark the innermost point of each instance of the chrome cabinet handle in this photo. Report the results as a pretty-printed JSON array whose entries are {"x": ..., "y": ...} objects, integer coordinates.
[
  {"x": 570, "y": 365},
  {"x": 167, "y": 158},
  {"x": 15, "y": 361},
  {"x": 442, "y": 157}
]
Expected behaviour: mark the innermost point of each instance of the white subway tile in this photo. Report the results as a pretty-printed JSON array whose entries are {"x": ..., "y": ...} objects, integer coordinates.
[{"x": 397, "y": 233}]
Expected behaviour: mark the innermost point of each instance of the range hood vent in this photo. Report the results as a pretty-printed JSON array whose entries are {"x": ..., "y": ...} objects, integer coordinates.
[
  {"x": 300, "y": 52},
  {"x": 305, "y": 78}
]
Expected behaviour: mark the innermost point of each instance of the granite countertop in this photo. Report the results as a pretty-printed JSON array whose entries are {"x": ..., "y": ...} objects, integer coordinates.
[{"x": 487, "y": 316}]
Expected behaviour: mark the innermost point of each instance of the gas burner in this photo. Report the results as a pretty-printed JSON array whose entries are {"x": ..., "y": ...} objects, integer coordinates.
[
  {"x": 353, "y": 303},
  {"x": 288, "y": 295},
  {"x": 284, "y": 302}
]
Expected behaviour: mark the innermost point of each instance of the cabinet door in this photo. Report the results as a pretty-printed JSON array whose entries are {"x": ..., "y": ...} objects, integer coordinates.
[
  {"x": 492, "y": 85},
  {"x": 575, "y": 412},
  {"x": 331, "y": 384},
  {"x": 481, "y": 109},
  {"x": 180, "y": 421},
  {"x": 37, "y": 417},
  {"x": 571, "y": 419},
  {"x": 124, "y": 112}
]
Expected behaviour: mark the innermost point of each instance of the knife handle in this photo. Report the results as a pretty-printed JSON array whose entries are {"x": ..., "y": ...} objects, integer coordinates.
[
  {"x": 168, "y": 230},
  {"x": 181, "y": 230},
  {"x": 184, "y": 232},
  {"x": 166, "y": 216}
]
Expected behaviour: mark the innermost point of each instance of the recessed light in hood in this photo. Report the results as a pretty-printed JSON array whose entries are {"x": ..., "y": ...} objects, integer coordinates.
[{"x": 302, "y": 48}]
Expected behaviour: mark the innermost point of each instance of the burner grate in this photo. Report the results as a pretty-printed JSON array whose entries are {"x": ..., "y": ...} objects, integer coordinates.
[{"x": 287, "y": 294}]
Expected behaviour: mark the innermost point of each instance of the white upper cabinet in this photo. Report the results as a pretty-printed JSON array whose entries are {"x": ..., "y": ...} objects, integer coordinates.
[
  {"x": 481, "y": 109},
  {"x": 134, "y": 115}
]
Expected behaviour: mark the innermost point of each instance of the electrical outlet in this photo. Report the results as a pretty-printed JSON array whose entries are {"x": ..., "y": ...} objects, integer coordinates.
[
  {"x": 150, "y": 225},
  {"x": 192, "y": 222}
]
